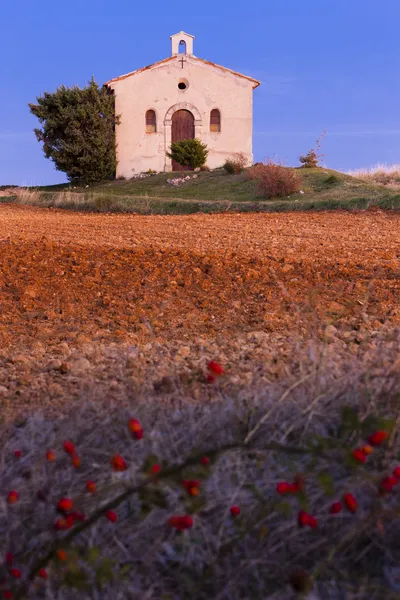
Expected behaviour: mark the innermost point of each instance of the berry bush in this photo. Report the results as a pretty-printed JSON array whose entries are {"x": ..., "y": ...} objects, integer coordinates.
[{"x": 293, "y": 490}]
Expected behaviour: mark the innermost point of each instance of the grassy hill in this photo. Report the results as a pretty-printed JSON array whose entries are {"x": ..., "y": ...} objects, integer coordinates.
[{"x": 215, "y": 191}]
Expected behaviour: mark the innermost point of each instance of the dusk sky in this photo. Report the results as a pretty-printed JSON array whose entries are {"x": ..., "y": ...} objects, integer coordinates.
[{"x": 324, "y": 65}]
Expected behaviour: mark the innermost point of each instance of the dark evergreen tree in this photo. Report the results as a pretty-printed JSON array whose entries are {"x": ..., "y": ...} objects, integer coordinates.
[{"x": 78, "y": 131}]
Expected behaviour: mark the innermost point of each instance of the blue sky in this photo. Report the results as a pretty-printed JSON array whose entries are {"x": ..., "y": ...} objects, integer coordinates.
[{"x": 324, "y": 65}]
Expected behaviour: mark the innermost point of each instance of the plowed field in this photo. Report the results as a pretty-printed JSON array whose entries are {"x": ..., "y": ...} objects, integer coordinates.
[{"x": 168, "y": 290}]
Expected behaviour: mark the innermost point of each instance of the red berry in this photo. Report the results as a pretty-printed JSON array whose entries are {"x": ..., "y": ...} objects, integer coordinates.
[
  {"x": 70, "y": 520},
  {"x": 136, "y": 428},
  {"x": 61, "y": 554},
  {"x": 303, "y": 518},
  {"x": 206, "y": 461},
  {"x": 43, "y": 574},
  {"x": 377, "y": 438},
  {"x": 134, "y": 425},
  {"x": 192, "y": 486},
  {"x": 359, "y": 455},
  {"x": 61, "y": 524},
  {"x": 65, "y": 505},
  {"x": 210, "y": 378},
  {"x": 9, "y": 558},
  {"x": 187, "y": 522},
  {"x": 306, "y": 519},
  {"x": 50, "y": 456},
  {"x": 12, "y": 497},
  {"x": 215, "y": 368},
  {"x": 367, "y": 449},
  {"x": 396, "y": 472},
  {"x": 336, "y": 508},
  {"x": 181, "y": 522},
  {"x": 76, "y": 461},
  {"x": 173, "y": 521},
  {"x": 189, "y": 483},
  {"x": 388, "y": 483},
  {"x": 91, "y": 487},
  {"x": 294, "y": 488},
  {"x": 235, "y": 510},
  {"x": 155, "y": 469},
  {"x": 283, "y": 487},
  {"x": 350, "y": 502},
  {"x": 112, "y": 516},
  {"x": 69, "y": 447},
  {"x": 17, "y": 453},
  {"x": 8, "y": 595},
  {"x": 119, "y": 463},
  {"x": 15, "y": 573},
  {"x": 312, "y": 521}
]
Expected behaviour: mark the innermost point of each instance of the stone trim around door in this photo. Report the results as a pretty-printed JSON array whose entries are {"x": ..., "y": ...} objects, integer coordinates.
[{"x": 198, "y": 127}]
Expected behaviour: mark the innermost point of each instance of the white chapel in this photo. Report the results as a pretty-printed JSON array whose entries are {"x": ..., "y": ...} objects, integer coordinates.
[{"x": 181, "y": 97}]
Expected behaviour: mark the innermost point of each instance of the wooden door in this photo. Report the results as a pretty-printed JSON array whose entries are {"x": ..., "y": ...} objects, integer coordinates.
[{"x": 182, "y": 129}]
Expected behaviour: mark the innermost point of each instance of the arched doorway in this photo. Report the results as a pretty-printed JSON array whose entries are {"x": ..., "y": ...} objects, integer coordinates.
[{"x": 182, "y": 129}]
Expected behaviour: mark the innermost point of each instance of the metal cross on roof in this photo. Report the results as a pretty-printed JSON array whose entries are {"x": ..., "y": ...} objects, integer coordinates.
[{"x": 182, "y": 60}]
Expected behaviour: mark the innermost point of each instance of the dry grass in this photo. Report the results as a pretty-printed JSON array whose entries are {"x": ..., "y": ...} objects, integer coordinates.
[
  {"x": 383, "y": 174},
  {"x": 69, "y": 199},
  {"x": 220, "y": 558},
  {"x": 29, "y": 197}
]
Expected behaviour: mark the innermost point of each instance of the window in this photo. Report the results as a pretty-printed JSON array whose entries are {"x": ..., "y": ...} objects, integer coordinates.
[
  {"x": 215, "y": 120},
  {"x": 151, "y": 121},
  {"x": 183, "y": 84}
]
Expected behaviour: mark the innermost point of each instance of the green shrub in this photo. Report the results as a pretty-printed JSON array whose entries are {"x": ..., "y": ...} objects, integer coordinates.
[
  {"x": 189, "y": 153},
  {"x": 236, "y": 164},
  {"x": 332, "y": 180},
  {"x": 229, "y": 167}
]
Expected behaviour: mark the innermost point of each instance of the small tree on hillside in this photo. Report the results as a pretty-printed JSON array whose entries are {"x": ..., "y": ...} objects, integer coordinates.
[
  {"x": 189, "y": 153},
  {"x": 78, "y": 131},
  {"x": 312, "y": 158}
]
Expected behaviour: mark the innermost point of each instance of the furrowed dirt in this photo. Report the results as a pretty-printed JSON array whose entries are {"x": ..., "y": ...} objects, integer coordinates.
[{"x": 124, "y": 304}]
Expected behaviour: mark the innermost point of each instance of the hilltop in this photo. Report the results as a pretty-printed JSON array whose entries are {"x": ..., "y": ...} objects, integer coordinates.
[{"x": 212, "y": 191}]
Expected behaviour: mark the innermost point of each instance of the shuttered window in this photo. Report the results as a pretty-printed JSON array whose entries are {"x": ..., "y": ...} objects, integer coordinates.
[
  {"x": 151, "y": 121},
  {"x": 215, "y": 120}
]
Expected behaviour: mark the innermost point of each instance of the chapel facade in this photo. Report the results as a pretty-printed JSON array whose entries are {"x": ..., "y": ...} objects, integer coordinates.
[{"x": 181, "y": 97}]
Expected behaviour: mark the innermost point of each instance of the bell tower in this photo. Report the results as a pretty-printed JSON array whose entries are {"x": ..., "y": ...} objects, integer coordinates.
[{"x": 182, "y": 43}]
